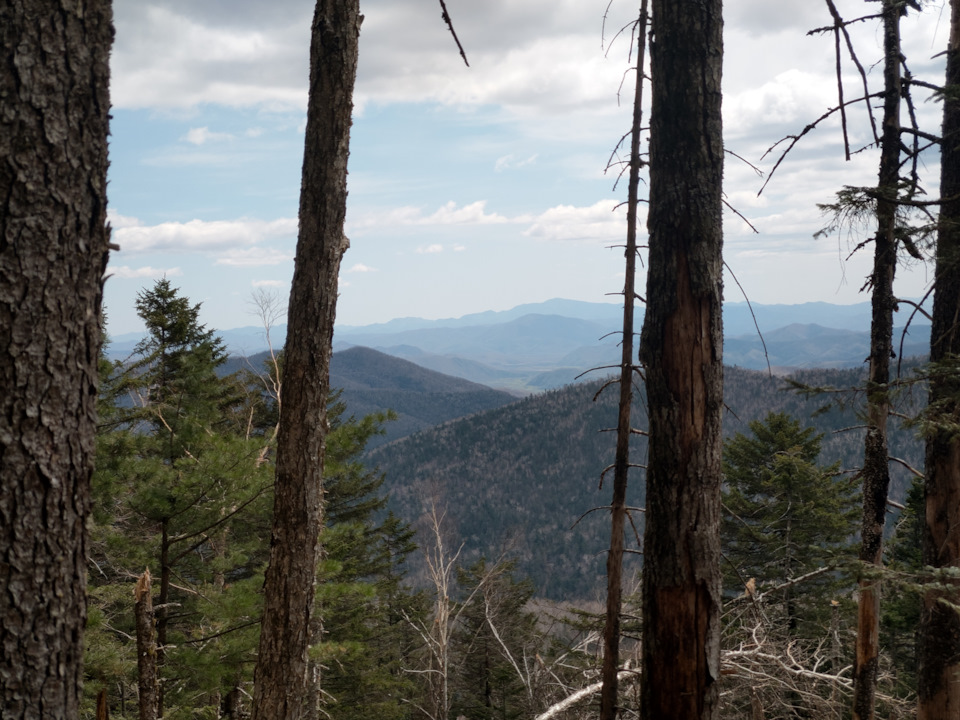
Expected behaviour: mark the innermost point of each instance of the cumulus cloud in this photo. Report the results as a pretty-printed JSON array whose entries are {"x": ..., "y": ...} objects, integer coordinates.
[
  {"x": 200, "y": 235},
  {"x": 361, "y": 268},
  {"x": 536, "y": 55},
  {"x": 568, "y": 222},
  {"x": 171, "y": 54},
  {"x": 792, "y": 99},
  {"x": 118, "y": 221}
]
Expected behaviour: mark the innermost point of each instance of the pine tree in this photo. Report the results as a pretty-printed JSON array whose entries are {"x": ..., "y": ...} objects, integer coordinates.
[
  {"x": 784, "y": 517},
  {"x": 180, "y": 488},
  {"x": 183, "y": 466}
]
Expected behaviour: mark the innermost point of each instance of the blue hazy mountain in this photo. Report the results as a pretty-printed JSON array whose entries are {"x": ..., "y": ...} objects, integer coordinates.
[{"x": 544, "y": 345}]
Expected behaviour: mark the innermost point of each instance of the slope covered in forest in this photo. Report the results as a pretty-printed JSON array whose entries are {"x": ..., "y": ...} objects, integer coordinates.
[
  {"x": 515, "y": 480},
  {"x": 373, "y": 382}
]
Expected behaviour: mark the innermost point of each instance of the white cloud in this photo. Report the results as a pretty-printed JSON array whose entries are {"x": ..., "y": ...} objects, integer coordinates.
[
  {"x": 201, "y": 135},
  {"x": 361, "y": 268},
  {"x": 269, "y": 283},
  {"x": 200, "y": 235},
  {"x": 254, "y": 257},
  {"x": 567, "y": 222},
  {"x": 118, "y": 221},
  {"x": 448, "y": 214},
  {"x": 791, "y": 99},
  {"x": 430, "y": 249},
  {"x": 173, "y": 55},
  {"x": 472, "y": 214},
  {"x": 533, "y": 56},
  {"x": 126, "y": 272}
]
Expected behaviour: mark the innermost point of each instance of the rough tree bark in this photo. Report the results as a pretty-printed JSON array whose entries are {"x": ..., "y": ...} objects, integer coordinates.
[
  {"x": 618, "y": 510},
  {"x": 939, "y": 637},
  {"x": 876, "y": 468},
  {"x": 681, "y": 350},
  {"x": 280, "y": 677},
  {"x": 54, "y": 105}
]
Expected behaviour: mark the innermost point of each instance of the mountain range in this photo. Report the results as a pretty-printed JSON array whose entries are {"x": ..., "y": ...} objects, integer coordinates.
[
  {"x": 520, "y": 477},
  {"x": 547, "y": 345}
]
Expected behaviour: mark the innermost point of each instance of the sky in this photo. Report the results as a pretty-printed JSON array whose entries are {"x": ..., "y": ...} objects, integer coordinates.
[{"x": 471, "y": 188}]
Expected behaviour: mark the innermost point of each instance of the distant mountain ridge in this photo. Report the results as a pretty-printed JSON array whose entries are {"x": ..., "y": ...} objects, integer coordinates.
[
  {"x": 373, "y": 382},
  {"x": 544, "y": 345}
]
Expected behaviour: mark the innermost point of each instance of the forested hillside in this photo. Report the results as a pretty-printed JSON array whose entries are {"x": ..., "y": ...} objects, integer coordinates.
[
  {"x": 514, "y": 480},
  {"x": 371, "y": 382}
]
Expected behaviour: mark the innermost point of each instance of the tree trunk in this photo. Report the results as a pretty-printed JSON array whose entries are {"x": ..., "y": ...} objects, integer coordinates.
[
  {"x": 618, "y": 510},
  {"x": 876, "y": 469},
  {"x": 146, "y": 648},
  {"x": 939, "y": 637},
  {"x": 682, "y": 353},
  {"x": 54, "y": 104},
  {"x": 103, "y": 706},
  {"x": 313, "y": 698},
  {"x": 163, "y": 612},
  {"x": 280, "y": 678}
]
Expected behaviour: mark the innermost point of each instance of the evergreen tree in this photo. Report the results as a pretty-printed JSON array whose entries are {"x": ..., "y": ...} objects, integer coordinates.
[
  {"x": 785, "y": 516},
  {"x": 367, "y": 642},
  {"x": 495, "y": 632},
  {"x": 183, "y": 485},
  {"x": 181, "y": 488}
]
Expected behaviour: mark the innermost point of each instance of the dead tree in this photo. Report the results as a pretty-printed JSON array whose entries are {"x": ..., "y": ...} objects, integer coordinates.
[
  {"x": 887, "y": 205},
  {"x": 618, "y": 505},
  {"x": 876, "y": 468},
  {"x": 147, "y": 677},
  {"x": 939, "y": 636},
  {"x": 681, "y": 349}
]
